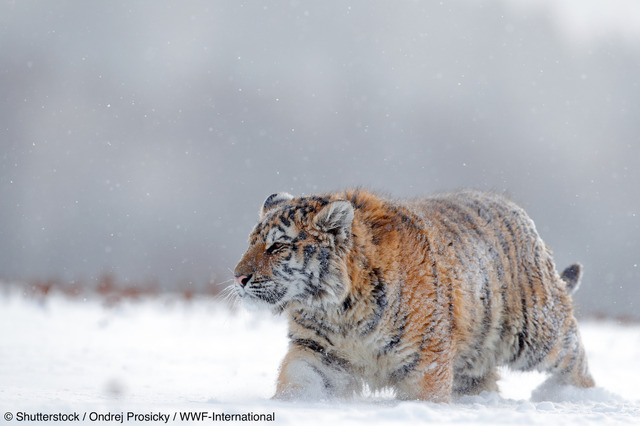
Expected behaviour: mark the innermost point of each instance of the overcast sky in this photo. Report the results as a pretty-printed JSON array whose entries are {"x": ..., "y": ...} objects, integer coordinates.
[{"x": 140, "y": 138}]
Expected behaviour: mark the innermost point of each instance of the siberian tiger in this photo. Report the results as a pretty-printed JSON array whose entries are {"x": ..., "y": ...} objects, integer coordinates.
[{"x": 426, "y": 297}]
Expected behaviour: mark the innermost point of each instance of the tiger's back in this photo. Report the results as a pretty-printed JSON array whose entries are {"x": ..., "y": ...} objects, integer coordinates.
[{"x": 427, "y": 296}]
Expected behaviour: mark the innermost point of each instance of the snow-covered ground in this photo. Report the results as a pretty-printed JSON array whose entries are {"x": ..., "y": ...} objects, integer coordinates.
[{"x": 170, "y": 357}]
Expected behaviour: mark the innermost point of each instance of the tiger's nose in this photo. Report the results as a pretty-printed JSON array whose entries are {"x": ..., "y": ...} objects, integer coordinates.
[{"x": 242, "y": 280}]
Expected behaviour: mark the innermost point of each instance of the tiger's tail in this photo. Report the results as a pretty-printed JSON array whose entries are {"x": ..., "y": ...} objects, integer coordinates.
[{"x": 571, "y": 276}]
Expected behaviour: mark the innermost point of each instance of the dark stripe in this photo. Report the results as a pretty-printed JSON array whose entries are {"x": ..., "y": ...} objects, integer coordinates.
[
  {"x": 287, "y": 270},
  {"x": 405, "y": 216},
  {"x": 405, "y": 369},
  {"x": 459, "y": 222},
  {"x": 308, "y": 253},
  {"x": 436, "y": 282},
  {"x": 328, "y": 358},
  {"x": 507, "y": 250},
  {"x": 379, "y": 295},
  {"x": 285, "y": 221},
  {"x": 325, "y": 379},
  {"x": 454, "y": 234},
  {"x": 290, "y": 212},
  {"x": 449, "y": 208},
  {"x": 380, "y": 227},
  {"x": 323, "y": 258},
  {"x": 346, "y": 304},
  {"x": 310, "y": 344},
  {"x": 547, "y": 336},
  {"x": 394, "y": 341},
  {"x": 399, "y": 323},
  {"x": 531, "y": 327},
  {"x": 271, "y": 294},
  {"x": 523, "y": 335},
  {"x": 278, "y": 293},
  {"x": 281, "y": 229},
  {"x": 316, "y": 328},
  {"x": 354, "y": 199},
  {"x": 499, "y": 267},
  {"x": 574, "y": 354},
  {"x": 483, "y": 243},
  {"x": 323, "y": 201},
  {"x": 487, "y": 323},
  {"x": 312, "y": 290},
  {"x": 301, "y": 236}
]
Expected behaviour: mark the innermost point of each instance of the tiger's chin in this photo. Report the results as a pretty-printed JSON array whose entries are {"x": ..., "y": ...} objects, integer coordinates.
[{"x": 255, "y": 304}]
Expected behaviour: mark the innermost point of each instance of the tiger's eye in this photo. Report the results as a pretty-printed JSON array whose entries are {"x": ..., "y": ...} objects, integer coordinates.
[{"x": 274, "y": 248}]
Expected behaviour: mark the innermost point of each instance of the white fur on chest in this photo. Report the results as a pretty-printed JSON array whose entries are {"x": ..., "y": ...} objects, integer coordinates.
[{"x": 361, "y": 356}]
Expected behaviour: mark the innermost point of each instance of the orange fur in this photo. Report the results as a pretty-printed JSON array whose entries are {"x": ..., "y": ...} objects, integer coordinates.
[{"x": 426, "y": 297}]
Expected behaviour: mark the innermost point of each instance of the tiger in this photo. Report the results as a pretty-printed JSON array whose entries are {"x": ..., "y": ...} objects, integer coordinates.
[{"x": 424, "y": 297}]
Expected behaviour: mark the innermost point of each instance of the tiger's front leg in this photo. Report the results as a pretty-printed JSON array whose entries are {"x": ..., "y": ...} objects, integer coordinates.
[
  {"x": 430, "y": 380},
  {"x": 304, "y": 374}
]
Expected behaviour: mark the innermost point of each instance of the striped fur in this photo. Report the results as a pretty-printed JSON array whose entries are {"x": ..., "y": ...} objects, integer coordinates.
[{"x": 426, "y": 297}]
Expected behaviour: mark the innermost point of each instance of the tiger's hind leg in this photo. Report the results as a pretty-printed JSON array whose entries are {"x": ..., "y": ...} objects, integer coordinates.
[
  {"x": 567, "y": 360},
  {"x": 548, "y": 339},
  {"x": 570, "y": 366},
  {"x": 466, "y": 384}
]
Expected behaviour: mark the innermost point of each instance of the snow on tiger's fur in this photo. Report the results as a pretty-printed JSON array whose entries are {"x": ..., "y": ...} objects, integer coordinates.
[{"x": 426, "y": 297}]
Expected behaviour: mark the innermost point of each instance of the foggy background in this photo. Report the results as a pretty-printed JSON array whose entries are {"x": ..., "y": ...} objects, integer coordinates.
[{"x": 139, "y": 138}]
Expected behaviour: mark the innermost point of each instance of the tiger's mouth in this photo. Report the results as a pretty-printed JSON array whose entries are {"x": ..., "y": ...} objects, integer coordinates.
[{"x": 260, "y": 292}]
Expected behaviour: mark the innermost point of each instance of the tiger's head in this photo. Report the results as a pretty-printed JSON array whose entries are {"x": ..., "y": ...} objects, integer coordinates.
[{"x": 296, "y": 253}]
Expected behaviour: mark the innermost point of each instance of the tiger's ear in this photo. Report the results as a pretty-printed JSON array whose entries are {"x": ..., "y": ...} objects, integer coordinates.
[
  {"x": 336, "y": 218},
  {"x": 272, "y": 201}
]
